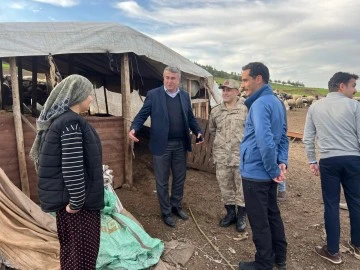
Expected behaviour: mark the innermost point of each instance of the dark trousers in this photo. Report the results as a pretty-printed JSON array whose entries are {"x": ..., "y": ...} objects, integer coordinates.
[
  {"x": 174, "y": 158},
  {"x": 333, "y": 171},
  {"x": 266, "y": 223}
]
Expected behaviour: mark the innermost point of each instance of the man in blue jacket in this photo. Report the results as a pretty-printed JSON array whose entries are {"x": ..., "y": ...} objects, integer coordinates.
[
  {"x": 263, "y": 163},
  {"x": 171, "y": 118}
]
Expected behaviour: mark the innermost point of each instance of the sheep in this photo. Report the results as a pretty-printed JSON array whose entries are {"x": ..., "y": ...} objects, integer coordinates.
[
  {"x": 299, "y": 103},
  {"x": 291, "y": 103},
  {"x": 310, "y": 99},
  {"x": 286, "y": 104}
]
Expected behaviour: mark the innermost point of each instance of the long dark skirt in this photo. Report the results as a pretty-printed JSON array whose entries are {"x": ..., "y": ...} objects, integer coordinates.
[{"x": 79, "y": 236}]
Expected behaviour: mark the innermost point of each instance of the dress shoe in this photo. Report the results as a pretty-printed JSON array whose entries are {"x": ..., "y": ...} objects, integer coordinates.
[
  {"x": 168, "y": 220},
  {"x": 180, "y": 213}
]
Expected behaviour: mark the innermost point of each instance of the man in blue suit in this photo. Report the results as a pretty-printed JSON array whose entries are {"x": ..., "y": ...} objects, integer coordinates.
[
  {"x": 263, "y": 163},
  {"x": 171, "y": 118}
]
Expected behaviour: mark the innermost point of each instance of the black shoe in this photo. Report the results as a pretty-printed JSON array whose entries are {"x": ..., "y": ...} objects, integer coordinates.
[
  {"x": 247, "y": 266},
  {"x": 168, "y": 220},
  {"x": 230, "y": 217},
  {"x": 180, "y": 213},
  {"x": 281, "y": 266},
  {"x": 241, "y": 219}
]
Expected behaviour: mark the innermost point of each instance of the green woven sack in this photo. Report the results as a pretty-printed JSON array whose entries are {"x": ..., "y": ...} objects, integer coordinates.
[{"x": 123, "y": 243}]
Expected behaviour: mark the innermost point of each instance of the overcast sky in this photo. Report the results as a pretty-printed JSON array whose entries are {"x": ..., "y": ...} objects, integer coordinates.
[{"x": 300, "y": 40}]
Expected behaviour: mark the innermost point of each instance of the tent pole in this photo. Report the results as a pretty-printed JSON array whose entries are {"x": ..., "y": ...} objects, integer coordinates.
[
  {"x": 34, "y": 87},
  {"x": 18, "y": 128},
  {"x": 126, "y": 113},
  {"x": 20, "y": 83}
]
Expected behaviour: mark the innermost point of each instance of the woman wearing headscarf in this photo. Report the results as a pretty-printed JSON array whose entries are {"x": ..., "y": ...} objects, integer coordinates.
[{"x": 68, "y": 157}]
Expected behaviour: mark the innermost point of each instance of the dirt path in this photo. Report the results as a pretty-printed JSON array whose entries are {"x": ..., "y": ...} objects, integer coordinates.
[{"x": 302, "y": 213}]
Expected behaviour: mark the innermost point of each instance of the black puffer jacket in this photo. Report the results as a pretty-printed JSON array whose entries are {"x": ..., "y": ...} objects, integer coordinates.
[{"x": 53, "y": 194}]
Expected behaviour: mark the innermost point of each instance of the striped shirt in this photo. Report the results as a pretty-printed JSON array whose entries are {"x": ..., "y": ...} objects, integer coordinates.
[{"x": 73, "y": 165}]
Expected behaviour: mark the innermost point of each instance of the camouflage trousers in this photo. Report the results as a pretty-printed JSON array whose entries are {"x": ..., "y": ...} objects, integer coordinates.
[{"x": 230, "y": 184}]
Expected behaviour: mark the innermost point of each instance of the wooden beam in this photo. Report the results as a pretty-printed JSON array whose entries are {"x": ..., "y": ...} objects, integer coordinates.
[
  {"x": 126, "y": 113},
  {"x": 295, "y": 135},
  {"x": 198, "y": 110},
  {"x": 18, "y": 128},
  {"x": 105, "y": 96},
  {"x": 20, "y": 83},
  {"x": 1, "y": 85},
  {"x": 34, "y": 86},
  {"x": 48, "y": 82},
  {"x": 28, "y": 123},
  {"x": 188, "y": 86}
]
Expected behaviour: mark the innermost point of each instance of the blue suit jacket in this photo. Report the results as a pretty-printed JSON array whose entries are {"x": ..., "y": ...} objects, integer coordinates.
[{"x": 155, "y": 107}]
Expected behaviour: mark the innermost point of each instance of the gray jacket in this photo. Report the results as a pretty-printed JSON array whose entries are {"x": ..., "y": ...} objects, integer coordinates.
[{"x": 335, "y": 122}]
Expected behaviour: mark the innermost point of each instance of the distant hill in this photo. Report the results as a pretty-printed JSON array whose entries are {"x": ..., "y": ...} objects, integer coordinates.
[{"x": 290, "y": 89}]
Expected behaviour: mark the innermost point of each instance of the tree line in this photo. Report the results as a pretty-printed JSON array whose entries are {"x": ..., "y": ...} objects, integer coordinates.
[{"x": 237, "y": 76}]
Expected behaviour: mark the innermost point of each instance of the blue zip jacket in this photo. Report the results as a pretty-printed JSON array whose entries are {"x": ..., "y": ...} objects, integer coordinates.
[{"x": 265, "y": 143}]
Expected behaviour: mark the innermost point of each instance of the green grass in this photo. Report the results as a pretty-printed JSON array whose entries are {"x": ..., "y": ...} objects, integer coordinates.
[
  {"x": 5, "y": 65},
  {"x": 303, "y": 91}
]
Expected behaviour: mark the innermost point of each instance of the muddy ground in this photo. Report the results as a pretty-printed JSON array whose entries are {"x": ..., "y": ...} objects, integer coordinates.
[{"x": 302, "y": 213}]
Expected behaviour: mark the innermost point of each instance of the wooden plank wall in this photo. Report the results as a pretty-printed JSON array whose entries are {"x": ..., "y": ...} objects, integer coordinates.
[
  {"x": 201, "y": 156},
  {"x": 110, "y": 130},
  {"x": 200, "y": 108}
]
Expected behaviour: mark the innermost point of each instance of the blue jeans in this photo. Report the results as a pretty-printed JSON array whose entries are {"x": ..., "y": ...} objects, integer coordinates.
[{"x": 344, "y": 170}]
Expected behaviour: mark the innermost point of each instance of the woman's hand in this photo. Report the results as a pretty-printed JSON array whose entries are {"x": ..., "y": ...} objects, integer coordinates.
[{"x": 71, "y": 211}]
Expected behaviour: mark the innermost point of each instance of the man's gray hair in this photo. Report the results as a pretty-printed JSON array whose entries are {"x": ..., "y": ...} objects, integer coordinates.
[{"x": 173, "y": 69}]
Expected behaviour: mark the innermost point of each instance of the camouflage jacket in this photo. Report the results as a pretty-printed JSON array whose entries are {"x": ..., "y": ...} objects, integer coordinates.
[{"x": 228, "y": 128}]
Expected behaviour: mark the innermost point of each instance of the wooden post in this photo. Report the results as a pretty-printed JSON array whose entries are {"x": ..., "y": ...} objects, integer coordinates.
[
  {"x": 18, "y": 128},
  {"x": 34, "y": 87},
  {"x": 207, "y": 109},
  {"x": 198, "y": 110},
  {"x": 126, "y": 113},
  {"x": 2, "y": 98},
  {"x": 105, "y": 96},
  {"x": 49, "y": 85},
  {"x": 188, "y": 86},
  {"x": 20, "y": 84}
]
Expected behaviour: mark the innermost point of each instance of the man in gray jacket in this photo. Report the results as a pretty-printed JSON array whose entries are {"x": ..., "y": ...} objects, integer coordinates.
[{"x": 335, "y": 122}]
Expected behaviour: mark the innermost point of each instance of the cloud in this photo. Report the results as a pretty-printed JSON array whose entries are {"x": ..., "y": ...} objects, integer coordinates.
[
  {"x": 60, "y": 3},
  {"x": 36, "y": 10},
  {"x": 17, "y": 5},
  {"x": 301, "y": 40}
]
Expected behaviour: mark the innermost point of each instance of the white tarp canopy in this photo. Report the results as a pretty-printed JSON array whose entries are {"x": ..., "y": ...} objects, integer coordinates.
[{"x": 62, "y": 38}]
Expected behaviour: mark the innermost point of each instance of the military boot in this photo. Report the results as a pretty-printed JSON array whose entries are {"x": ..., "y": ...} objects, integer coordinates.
[
  {"x": 240, "y": 219},
  {"x": 230, "y": 217}
]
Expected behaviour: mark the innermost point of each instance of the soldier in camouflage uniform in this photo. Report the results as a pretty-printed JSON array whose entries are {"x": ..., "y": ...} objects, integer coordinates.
[{"x": 227, "y": 123}]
